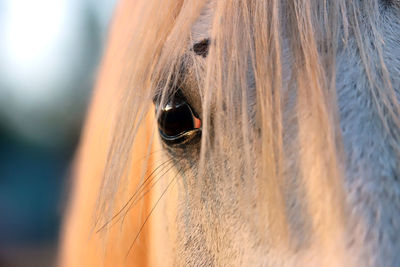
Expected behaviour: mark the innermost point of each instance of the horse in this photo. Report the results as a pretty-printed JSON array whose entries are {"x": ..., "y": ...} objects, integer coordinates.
[{"x": 242, "y": 133}]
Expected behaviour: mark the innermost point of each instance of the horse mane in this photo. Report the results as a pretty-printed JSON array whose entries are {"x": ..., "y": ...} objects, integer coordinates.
[{"x": 254, "y": 37}]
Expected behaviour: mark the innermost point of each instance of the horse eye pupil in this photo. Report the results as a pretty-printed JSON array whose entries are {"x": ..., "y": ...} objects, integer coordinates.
[{"x": 175, "y": 119}]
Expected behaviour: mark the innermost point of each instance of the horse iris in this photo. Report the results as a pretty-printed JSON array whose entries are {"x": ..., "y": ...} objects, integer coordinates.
[{"x": 176, "y": 120}]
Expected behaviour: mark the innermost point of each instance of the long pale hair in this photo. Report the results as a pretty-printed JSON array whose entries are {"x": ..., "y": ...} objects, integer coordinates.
[{"x": 251, "y": 42}]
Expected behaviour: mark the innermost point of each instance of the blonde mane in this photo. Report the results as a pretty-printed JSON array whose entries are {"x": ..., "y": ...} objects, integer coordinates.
[{"x": 286, "y": 51}]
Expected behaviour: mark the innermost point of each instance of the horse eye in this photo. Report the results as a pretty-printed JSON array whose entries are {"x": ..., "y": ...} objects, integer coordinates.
[{"x": 177, "y": 121}]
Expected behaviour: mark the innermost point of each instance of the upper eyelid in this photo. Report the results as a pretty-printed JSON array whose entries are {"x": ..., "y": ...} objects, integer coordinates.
[
  {"x": 157, "y": 95},
  {"x": 176, "y": 81},
  {"x": 179, "y": 90}
]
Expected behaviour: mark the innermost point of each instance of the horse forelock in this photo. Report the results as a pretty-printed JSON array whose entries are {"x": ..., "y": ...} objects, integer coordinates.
[{"x": 300, "y": 116}]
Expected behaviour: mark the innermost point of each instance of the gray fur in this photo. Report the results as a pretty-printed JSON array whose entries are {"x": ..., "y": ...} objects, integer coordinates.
[{"x": 214, "y": 234}]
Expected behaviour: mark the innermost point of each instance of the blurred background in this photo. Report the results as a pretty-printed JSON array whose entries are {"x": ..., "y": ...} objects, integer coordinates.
[{"x": 49, "y": 55}]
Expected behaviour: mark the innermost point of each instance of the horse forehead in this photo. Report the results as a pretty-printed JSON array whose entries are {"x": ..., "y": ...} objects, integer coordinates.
[{"x": 201, "y": 29}]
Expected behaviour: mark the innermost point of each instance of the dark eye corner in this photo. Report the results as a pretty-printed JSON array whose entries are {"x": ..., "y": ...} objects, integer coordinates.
[{"x": 177, "y": 122}]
